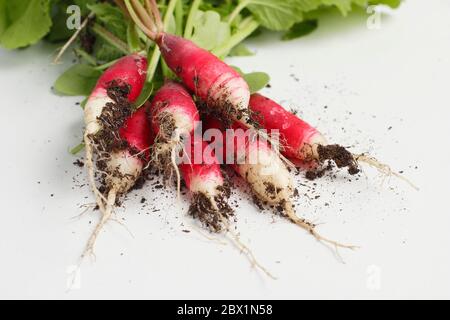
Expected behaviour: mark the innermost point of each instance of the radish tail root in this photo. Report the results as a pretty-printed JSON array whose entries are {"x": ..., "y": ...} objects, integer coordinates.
[
  {"x": 310, "y": 227},
  {"x": 382, "y": 168},
  {"x": 164, "y": 158},
  {"x": 234, "y": 238},
  {"x": 106, "y": 216},
  {"x": 236, "y": 241},
  {"x": 99, "y": 198},
  {"x": 177, "y": 171}
]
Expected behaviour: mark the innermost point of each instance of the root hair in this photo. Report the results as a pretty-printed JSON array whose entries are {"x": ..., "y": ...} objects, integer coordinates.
[
  {"x": 311, "y": 228},
  {"x": 383, "y": 168}
]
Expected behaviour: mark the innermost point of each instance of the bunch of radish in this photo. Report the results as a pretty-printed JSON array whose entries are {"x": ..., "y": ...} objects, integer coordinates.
[
  {"x": 116, "y": 138},
  {"x": 165, "y": 134}
]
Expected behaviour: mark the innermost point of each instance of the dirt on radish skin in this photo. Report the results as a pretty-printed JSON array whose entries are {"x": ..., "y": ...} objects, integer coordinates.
[
  {"x": 173, "y": 116},
  {"x": 116, "y": 139},
  {"x": 209, "y": 188},
  {"x": 299, "y": 140},
  {"x": 329, "y": 154},
  {"x": 109, "y": 142},
  {"x": 267, "y": 175}
]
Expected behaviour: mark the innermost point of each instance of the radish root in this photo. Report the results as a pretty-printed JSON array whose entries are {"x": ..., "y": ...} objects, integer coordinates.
[
  {"x": 106, "y": 216},
  {"x": 164, "y": 158},
  {"x": 99, "y": 198},
  {"x": 236, "y": 241},
  {"x": 177, "y": 171},
  {"x": 234, "y": 238},
  {"x": 311, "y": 228},
  {"x": 382, "y": 168}
]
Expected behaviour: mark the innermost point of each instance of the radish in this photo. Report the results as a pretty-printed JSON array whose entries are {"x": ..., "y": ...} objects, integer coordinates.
[
  {"x": 118, "y": 138},
  {"x": 269, "y": 178},
  {"x": 174, "y": 116},
  {"x": 301, "y": 141},
  {"x": 210, "y": 79},
  {"x": 204, "y": 179}
]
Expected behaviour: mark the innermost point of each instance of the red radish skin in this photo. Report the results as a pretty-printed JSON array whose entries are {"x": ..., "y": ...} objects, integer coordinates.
[
  {"x": 207, "y": 185},
  {"x": 128, "y": 162},
  {"x": 130, "y": 70},
  {"x": 174, "y": 116},
  {"x": 298, "y": 138},
  {"x": 210, "y": 192},
  {"x": 122, "y": 166},
  {"x": 209, "y": 78},
  {"x": 266, "y": 173}
]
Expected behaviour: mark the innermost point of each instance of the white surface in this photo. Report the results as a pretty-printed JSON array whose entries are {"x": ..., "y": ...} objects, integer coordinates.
[{"x": 397, "y": 76}]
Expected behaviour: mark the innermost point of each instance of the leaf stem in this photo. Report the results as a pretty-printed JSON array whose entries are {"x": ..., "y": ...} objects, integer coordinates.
[
  {"x": 248, "y": 27},
  {"x": 75, "y": 150},
  {"x": 106, "y": 65},
  {"x": 86, "y": 56},
  {"x": 190, "y": 20},
  {"x": 179, "y": 18},
  {"x": 241, "y": 6},
  {"x": 110, "y": 38},
  {"x": 157, "y": 53},
  {"x": 154, "y": 61}
]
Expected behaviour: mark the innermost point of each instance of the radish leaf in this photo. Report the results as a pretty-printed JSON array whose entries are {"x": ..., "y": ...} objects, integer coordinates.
[
  {"x": 77, "y": 149},
  {"x": 24, "y": 22},
  {"x": 280, "y": 14},
  {"x": 241, "y": 50},
  {"x": 78, "y": 80},
  {"x": 256, "y": 81},
  {"x": 209, "y": 30},
  {"x": 144, "y": 96},
  {"x": 300, "y": 29}
]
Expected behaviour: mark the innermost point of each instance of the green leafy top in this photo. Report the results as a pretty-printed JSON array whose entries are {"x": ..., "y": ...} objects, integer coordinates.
[
  {"x": 23, "y": 23},
  {"x": 216, "y": 25}
]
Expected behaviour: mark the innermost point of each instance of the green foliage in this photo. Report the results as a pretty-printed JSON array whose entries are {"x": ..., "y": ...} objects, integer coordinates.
[
  {"x": 59, "y": 31},
  {"x": 209, "y": 30},
  {"x": 111, "y": 18},
  {"x": 301, "y": 29},
  {"x": 255, "y": 80},
  {"x": 241, "y": 50},
  {"x": 219, "y": 26},
  {"x": 280, "y": 14},
  {"x": 78, "y": 80},
  {"x": 23, "y": 23},
  {"x": 144, "y": 96}
]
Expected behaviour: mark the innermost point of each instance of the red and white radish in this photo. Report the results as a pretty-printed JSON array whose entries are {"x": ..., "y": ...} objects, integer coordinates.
[
  {"x": 204, "y": 179},
  {"x": 210, "y": 79},
  {"x": 117, "y": 139},
  {"x": 269, "y": 178},
  {"x": 174, "y": 116},
  {"x": 299, "y": 140}
]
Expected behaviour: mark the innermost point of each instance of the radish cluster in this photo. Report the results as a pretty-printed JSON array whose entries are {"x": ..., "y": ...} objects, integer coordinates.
[{"x": 163, "y": 134}]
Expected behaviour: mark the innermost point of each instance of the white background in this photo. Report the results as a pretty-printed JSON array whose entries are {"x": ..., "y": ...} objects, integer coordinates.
[{"x": 387, "y": 92}]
